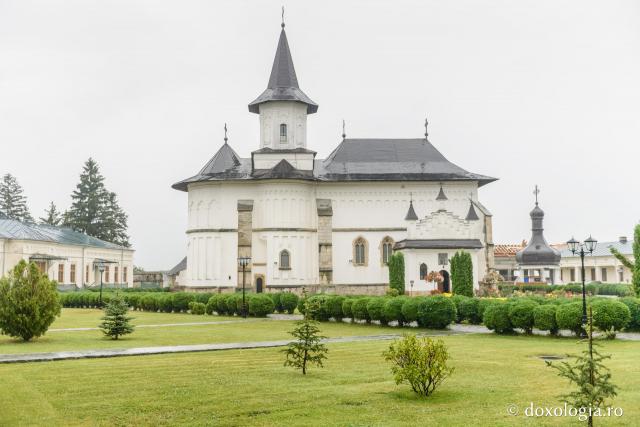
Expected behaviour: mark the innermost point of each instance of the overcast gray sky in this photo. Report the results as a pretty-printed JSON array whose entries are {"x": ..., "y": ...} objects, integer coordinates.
[{"x": 531, "y": 92}]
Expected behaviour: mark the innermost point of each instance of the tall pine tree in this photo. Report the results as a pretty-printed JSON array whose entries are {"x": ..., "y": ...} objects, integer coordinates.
[
  {"x": 95, "y": 210},
  {"x": 12, "y": 202},
  {"x": 52, "y": 215}
]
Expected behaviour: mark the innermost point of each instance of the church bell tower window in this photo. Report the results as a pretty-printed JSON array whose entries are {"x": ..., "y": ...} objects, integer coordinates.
[{"x": 283, "y": 133}]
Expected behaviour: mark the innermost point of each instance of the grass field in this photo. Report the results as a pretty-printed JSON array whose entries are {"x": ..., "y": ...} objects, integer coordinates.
[{"x": 251, "y": 387}]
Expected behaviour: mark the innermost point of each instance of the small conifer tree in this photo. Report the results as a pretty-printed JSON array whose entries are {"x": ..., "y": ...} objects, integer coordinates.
[
  {"x": 115, "y": 322},
  {"x": 307, "y": 349},
  {"x": 590, "y": 375}
]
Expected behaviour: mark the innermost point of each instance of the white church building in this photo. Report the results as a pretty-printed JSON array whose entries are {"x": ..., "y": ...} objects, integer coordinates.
[{"x": 327, "y": 224}]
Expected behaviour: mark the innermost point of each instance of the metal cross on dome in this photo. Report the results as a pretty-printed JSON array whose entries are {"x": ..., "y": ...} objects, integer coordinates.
[
  {"x": 536, "y": 191},
  {"x": 225, "y": 133}
]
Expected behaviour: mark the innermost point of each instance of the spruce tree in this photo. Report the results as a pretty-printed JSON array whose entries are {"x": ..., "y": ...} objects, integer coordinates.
[
  {"x": 115, "y": 322},
  {"x": 95, "y": 210},
  {"x": 590, "y": 375},
  {"x": 52, "y": 216},
  {"x": 307, "y": 349},
  {"x": 462, "y": 274},
  {"x": 13, "y": 203}
]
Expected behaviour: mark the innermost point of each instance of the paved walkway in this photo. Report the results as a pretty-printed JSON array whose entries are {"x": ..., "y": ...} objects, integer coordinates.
[
  {"x": 164, "y": 325},
  {"x": 143, "y": 351}
]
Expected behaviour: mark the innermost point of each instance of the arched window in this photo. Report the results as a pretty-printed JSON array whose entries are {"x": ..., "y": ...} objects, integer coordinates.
[
  {"x": 283, "y": 132},
  {"x": 386, "y": 249},
  {"x": 424, "y": 271},
  {"x": 285, "y": 260},
  {"x": 360, "y": 251}
]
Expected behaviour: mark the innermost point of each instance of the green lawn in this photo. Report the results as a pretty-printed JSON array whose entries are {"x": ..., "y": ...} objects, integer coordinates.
[
  {"x": 251, "y": 387},
  {"x": 253, "y": 330}
]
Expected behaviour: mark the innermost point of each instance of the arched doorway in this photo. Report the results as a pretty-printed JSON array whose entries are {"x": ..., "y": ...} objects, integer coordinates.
[
  {"x": 446, "y": 283},
  {"x": 259, "y": 284}
]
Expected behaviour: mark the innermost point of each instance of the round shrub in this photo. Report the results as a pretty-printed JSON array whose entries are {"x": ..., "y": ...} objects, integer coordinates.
[
  {"x": 288, "y": 302},
  {"x": 457, "y": 300},
  {"x": 436, "y": 312},
  {"x": 149, "y": 303},
  {"x": 202, "y": 297},
  {"x": 260, "y": 305},
  {"x": 521, "y": 314},
  {"x": 496, "y": 318},
  {"x": 165, "y": 303},
  {"x": 410, "y": 309},
  {"x": 181, "y": 301},
  {"x": 610, "y": 316},
  {"x": 196, "y": 307},
  {"x": 275, "y": 297},
  {"x": 468, "y": 310},
  {"x": 484, "y": 303},
  {"x": 544, "y": 318},
  {"x": 375, "y": 309},
  {"x": 347, "y": 305},
  {"x": 334, "y": 306},
  {"x": 222, "y": 305},
  {"x": 231, "y": 303},
  {"x": 393, "y": 310},
  {"x": 212, "y": 304},
  {"x": 359, "y": 309},
  {"x": 569, "y": 316},
  {"x": 633, "y": 304},
  {"x": 133, "y": 300},
  {"x": 319, "y": 308}
]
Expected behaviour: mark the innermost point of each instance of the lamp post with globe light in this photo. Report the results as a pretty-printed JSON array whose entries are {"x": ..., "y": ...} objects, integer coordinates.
[{"x": 587, "y": 247}]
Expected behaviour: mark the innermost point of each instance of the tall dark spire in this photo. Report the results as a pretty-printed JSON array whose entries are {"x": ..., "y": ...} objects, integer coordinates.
[
  {"x": 441, "y": 196},
  {"x": 538, "y": 251},
  {"x": 471, "y": 214},
  {"x": 411, "y": 213},
  {"x": 283, "y": 82}
]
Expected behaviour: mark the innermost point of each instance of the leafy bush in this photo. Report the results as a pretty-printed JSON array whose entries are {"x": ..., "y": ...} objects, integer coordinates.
[
  {"x": 231, "y": 302},
  {"x": 410, "y": 309},
  {"x": 133, "y": 300},
  {"x": 393, "y": 310},
  {"x": 484, "y": 303},
  {"x": 375, "y": 309},
  {"x": 320, "y": 308},
  {"x": 359, "y": 309},
  {"x": 421, "y": 362},
  {"x": 457, "y": 300},
  {"x": 212, "y": 304},
  {"x": 29, "y": 302},
  {"x": 544, "y": 318},
  {"x": 633, "y": 304},
  {"x": 396, "y": 272},
  {"x": 301, "y": 303},
  {"x": 334, "y": 307},
  {"x": 181, "y": 301},
  {"x": 288, "y": 302},
  {"x": 521, "y": 314},
  {"x": 196, "y": 307},
  {"x": 610, "y": 316},
  {"x": 469, "y": 310},
  {"x": 462, "y": 273},
  {"x": 347, "y": 306},
  {"x": 496, "y": 318},
  {"x": 149, "y": 302},
  {"x": 569, "y": 316},
  {"x": 222, "y": 305},
  {"x": 260, "y": 305},
  {"x": 436, "y": 312},
  {"x": 164, "y": 302}
]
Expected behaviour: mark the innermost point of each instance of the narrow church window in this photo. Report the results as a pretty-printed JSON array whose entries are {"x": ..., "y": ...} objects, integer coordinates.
[
  {"x": 360, "y": 252},
  {"x": 424, "y": 271},
  {"x": 387, "y": 249},
  {"x": 285, "y": 260},
  {"x": 283, "y": 132}
]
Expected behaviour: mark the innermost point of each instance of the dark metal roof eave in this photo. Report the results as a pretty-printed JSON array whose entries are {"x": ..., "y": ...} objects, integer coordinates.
[{"x": 439, "y": 244}]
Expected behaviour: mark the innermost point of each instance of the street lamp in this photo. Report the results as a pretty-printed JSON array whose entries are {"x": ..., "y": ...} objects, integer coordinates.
[
  {"x": 582, "y": 249},
  {"x": 101, "y": 269},
  {"x": 244, "y": 261}
]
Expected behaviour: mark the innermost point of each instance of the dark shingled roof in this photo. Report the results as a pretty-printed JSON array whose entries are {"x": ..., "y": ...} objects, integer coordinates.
[
  {"x": 472, "y": 215},
  {"x": 538, "y": 252},
  {"x": 439, "y": 244},
  {"x": 411, "y": 213},
  {"x": 352, "y": 160},
  {"x": 283, "y": 170},
  {"x": 182, "y": 265},
  {"x": 283, "y": 83}
]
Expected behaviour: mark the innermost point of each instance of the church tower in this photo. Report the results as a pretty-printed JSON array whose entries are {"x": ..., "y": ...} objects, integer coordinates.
[{"x": 283, "y": 110}]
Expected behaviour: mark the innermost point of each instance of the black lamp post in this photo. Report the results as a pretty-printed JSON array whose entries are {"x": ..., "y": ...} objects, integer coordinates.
[
  {"x": 582, "y": 249},
  {"x": 244, "y": 261},
  {"x": 101, "y": 269}
]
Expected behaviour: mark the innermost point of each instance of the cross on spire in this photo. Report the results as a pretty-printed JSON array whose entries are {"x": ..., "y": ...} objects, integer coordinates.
[
  {"x": 225, "y": 133},
  {"x": 536, "y": 191},
  {"x": 426, "y": 128},
  {"x": 282, "y": 24},
  {"x": 344, "y": 133}
]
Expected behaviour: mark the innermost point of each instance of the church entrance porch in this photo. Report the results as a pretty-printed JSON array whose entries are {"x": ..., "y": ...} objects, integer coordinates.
[
  {"x": 259, "y": 284},
  {"x": 445, "y": 286}
]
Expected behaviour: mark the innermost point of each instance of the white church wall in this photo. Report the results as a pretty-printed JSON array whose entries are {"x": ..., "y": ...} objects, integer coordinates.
[
  {"x": 301, "y": 161},
  {"x": 273, "y": 114},
  {"x": 414, "y": 257},
  {"x": 303, "y": 252}
]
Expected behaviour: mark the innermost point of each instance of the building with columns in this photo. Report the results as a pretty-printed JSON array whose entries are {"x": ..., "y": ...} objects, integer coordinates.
[
  {"x": 538, "y": 262},
  {"x": 71, "y": 258},
  {"x": 601, "y": 266},
  {"x": 326, "y": 224}
]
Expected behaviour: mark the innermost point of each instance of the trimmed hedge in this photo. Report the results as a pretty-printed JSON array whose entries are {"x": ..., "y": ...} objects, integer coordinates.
[
  {"x": 260, "y": 305},
  {"x": 288, "y": 302},
  {"x": 436, "y": 312},
  {"x": 610, "y": 316},
  {"x": 617, "y": 289},
  {"x": 496, "y": 318},
  {"x": 347, "y": 306},
  {"x": 196, "y": 307},
  {"x": 334, "y": 307},
  {"x": 359, "y": 309},
  {"x": 521, "y": 314},
  {"x": 457, "y": 300},
  {"x": 544, "y": 318},
  {"x": 633, "y": 304},
  {"x": 569, "y": 316},
  {"x": 469, "y": 310},
  {"x": 375, "y": 309},
  {"x": 393, "y": 310}
]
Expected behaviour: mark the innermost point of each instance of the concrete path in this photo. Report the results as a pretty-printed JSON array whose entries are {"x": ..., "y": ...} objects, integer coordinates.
[
  {"x": 163, "y": 325},
  {"x": 143, "y": 351}
]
